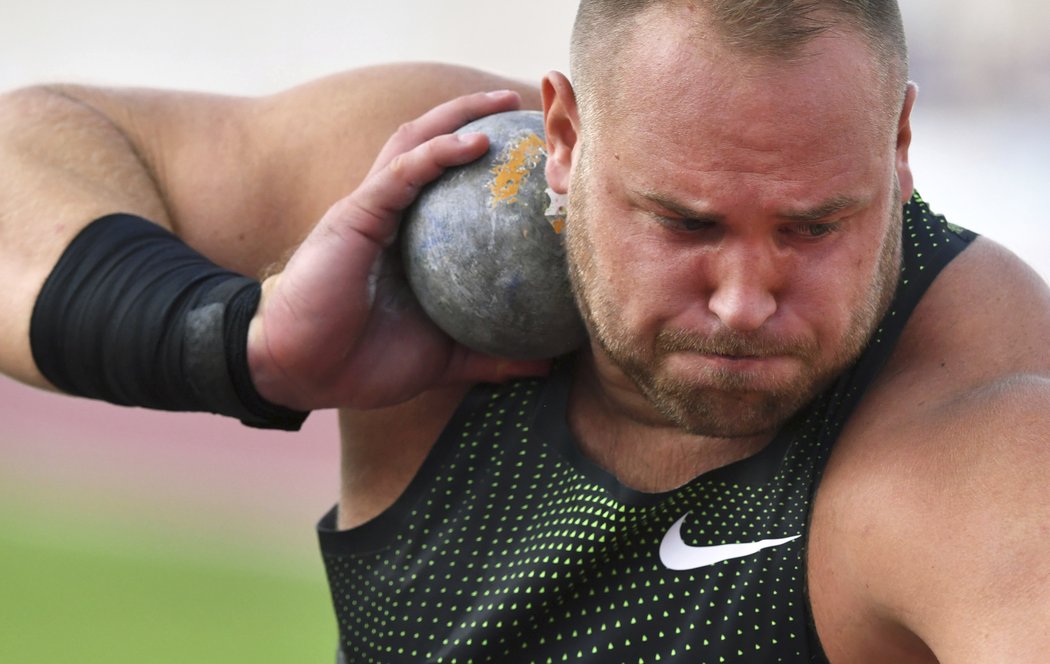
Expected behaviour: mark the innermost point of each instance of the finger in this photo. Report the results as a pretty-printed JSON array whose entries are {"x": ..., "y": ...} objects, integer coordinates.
[
  {"x": 346, "y": 244},
  {"x": 376, "y": 206},
  {"x": 445, "y": 119}
]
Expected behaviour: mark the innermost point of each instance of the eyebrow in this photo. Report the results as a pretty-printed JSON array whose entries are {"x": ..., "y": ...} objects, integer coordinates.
[
  {"x": 830, "y": 207},
  {"x": 825, "y": 209},
  {"x": 681, "y": 210}
]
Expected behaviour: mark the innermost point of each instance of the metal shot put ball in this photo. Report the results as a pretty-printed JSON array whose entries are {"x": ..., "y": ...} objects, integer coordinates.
[{"x": 482, "y": 247}]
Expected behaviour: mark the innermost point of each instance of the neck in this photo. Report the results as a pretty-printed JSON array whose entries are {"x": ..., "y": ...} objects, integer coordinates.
[{"x": 620, "y": 431}]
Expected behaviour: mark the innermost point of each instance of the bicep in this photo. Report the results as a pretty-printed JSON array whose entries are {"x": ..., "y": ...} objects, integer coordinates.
[
  {"x": 968, "y": 559},
  {"x": 245, "y": 179},
  {"x": 998, "y": 595}
]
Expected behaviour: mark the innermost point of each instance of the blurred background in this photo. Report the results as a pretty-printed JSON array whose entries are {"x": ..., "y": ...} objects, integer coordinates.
[{"x": 128, "y": 536}]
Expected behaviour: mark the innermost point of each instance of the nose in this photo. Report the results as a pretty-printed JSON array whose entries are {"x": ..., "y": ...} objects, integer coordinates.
[{"x": 744, "y": 295}]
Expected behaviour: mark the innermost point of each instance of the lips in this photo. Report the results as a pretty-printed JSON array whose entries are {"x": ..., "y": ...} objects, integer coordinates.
[
  {"x": 733, "y": 371},
  {"x": 730, "y": 346}
]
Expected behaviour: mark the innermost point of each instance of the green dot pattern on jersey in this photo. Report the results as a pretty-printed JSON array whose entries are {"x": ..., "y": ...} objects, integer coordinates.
[{"x": 510, "y": 546}]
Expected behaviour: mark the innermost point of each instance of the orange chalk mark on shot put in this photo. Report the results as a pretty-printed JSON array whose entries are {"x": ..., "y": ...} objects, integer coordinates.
[
  {"x": 558, "y": 225},
  {"x": 516, "y": 162}
]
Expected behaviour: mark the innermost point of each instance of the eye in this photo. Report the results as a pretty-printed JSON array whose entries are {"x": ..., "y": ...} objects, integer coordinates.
[
  {"x": 684, "y": 224},
  {"x": 814, "y": 231}
]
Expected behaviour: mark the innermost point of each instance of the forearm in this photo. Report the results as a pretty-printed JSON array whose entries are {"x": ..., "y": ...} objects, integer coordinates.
[{"x": 64, "y": 164}]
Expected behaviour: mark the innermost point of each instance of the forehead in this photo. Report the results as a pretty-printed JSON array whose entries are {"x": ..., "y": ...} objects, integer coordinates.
[{"x": 681, "y": 95}]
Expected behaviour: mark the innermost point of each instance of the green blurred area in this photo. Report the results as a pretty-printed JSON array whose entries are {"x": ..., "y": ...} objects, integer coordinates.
[{"x": 92, "y": 594}]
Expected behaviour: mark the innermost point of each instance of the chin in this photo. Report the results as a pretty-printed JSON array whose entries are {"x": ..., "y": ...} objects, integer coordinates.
[
  {"x": 728, "y": 415},
  {"x": 727, "y": 411}
]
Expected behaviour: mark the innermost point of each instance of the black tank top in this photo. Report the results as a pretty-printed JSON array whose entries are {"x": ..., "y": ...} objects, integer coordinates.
[{"x": 511, "y": 546}]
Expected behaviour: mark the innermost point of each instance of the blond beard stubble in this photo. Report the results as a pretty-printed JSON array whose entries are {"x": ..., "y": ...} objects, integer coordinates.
[{"x": 722, "y": 410}]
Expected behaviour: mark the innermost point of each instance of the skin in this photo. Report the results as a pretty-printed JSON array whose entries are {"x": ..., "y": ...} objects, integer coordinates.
[
  {"x": 784, "y": 293},
  {"x": 928, "y": 540},
  {"x": 725, "y": 287}
]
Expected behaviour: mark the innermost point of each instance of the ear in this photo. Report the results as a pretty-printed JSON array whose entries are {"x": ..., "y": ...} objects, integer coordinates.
[
  {"x": 904, "y": 175},
  {"x": 561, "y": 122}
]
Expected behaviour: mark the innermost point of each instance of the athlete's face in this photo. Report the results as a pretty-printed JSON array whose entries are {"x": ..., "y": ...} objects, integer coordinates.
[{"x": 734, "y": 228}]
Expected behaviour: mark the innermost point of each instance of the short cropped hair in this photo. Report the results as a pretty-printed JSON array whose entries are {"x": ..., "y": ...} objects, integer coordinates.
[{"x": 771, "y": 28}]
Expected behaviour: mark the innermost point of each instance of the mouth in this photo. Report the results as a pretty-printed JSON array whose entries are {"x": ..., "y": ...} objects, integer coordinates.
[
  {"x": 758, "y": 368},
  {"x": 738, "y": 359}
]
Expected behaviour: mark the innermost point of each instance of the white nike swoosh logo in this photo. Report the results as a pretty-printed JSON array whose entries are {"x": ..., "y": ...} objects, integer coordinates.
[{"x": 675, "y": 554}]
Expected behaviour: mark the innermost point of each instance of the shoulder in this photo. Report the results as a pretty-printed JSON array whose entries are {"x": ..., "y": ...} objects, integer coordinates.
[
  {"x": 978, "y": 338},
  {"x": 937, "y": 499},
  {"x": 983, "y": 320}
]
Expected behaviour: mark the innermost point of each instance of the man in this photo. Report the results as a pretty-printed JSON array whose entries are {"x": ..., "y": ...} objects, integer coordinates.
[{"x": 803, "y": 428}]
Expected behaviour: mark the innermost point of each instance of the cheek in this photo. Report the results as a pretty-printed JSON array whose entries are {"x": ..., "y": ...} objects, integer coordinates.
[
  {"x": 649, "y": 283},
  {"x": 822, "y": 305},
  {"x": 828, "y": 295}
]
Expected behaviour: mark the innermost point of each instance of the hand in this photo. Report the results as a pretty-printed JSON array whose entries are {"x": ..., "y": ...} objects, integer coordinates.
[{"x": 339, "y": 327}]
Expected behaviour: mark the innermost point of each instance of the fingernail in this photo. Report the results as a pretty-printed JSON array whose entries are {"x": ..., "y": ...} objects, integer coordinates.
[
  {"x": 496, "y": 94},
  {"x": 469, "y": 137}
]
